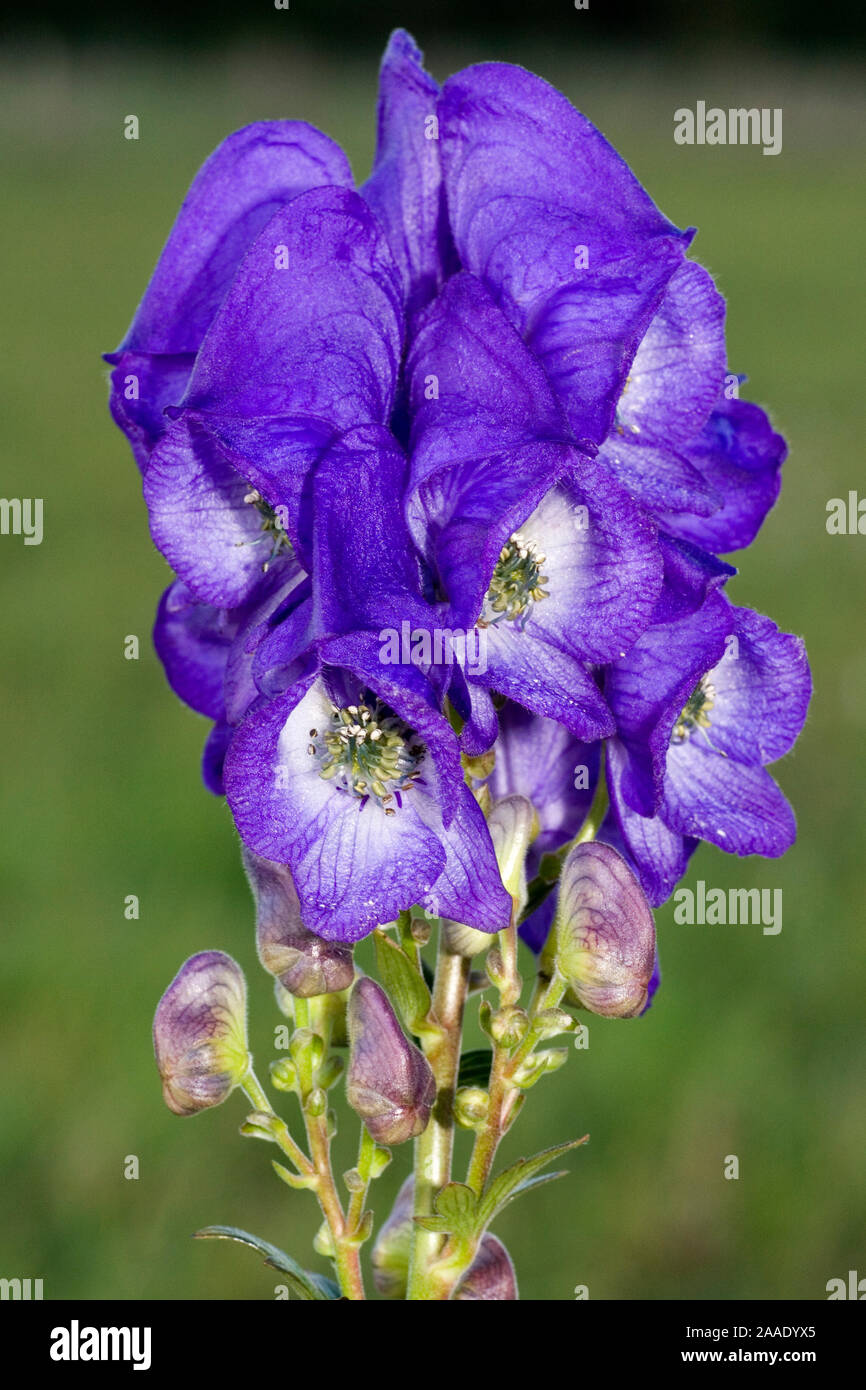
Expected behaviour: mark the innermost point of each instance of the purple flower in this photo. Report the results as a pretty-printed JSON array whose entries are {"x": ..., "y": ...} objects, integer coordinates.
[
  {"x": 239, "y": 188},
  {"x": 531, "y": 187},
  {"x": 353, "y": 779},
  {"x": 594, "y": 279},
  {"x": 405, "y": 189},
  {"x": 304, "y": 964},
  {"x": 486, "y": 396},
  {"x": 703, "y": 703},
  {"x": 526, "y": 537},
  {"x": 491, "y": 1277},
  {"x": 305, "y": 347}
]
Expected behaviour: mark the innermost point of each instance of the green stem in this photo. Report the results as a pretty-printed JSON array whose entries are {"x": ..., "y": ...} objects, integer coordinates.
[
  {"x": 358, "y": 1199},
  {"x": 502, "y": 1094},
  {"x": 259, "y": 1100},
  {"x": 346, "y": 1256},
  {"x": 434, "y": 1148}
]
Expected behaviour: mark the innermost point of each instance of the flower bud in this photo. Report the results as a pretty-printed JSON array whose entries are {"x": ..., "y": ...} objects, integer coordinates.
[
  {"x": 303, "y": 963},
  {"x": 389, "y": 1082},
  {"x": 490, "y": 1278},
  {"x": 512, "y": 824},
  {"x": 200, "y": 1033},
  {"x": 390, "y": 1253},
  {"x": 508, "y": 1026},
  {"x": 603, "y": 942},
  {"x": 471, "y": 1104}
]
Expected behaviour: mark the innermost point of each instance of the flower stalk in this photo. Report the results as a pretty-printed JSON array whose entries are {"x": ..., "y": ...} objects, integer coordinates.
[{"x": 434, "y": 1148}]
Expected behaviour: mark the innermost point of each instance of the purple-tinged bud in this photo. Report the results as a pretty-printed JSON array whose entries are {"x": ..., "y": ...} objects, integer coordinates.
[
  {"x": 390, "y": 1253},
  {"x": 200, "y": 1033},
  {"x": 490, "y": 1278},
  {"x": 603, "y": 941},
  {"x": 389, "y": 1082},
  {"x": 303, "y": 963}
]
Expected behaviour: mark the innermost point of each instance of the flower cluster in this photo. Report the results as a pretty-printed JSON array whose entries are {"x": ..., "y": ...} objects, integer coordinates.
[
  {"x": 444, "y": 466},
  {"x": 485, "y": 394}
]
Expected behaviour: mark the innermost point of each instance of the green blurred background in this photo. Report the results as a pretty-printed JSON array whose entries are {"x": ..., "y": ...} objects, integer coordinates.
[{"x": 755, "y": 1045}]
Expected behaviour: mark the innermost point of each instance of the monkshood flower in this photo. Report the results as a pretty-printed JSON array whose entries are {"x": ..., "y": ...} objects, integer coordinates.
[
  {"x": 200, "y": 1033},
  {"x": 389, "y": 1082},
  {"x": 305, "y": 347},
  {"x": 594, "y": 278},
  {"x": 603, "y": 941},
  {"x": 405, "y": 189},
  {"x": 252, "y": 174},
  {"x": 703, "y": 703},
  {"x": 527, "y": 537},
  {"x": 238, "y": 190},
  {"x": 352, "y": 778},
  {"x": 537, "y": 198}
]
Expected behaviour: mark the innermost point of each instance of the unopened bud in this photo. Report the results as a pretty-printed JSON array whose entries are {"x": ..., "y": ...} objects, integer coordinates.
[
  {"x": 508, "y": 1026},
  {"x": 316, "y": 1102},
  {"x": 471, "y": 1105},
  {"x": 323, "y": 1242},
  {"x": 303, "y": 963},
  {"x": 539, "y": 1063},
  {"x": 284, "y": 1075},
  {"x": 389, "y": 1082},
  {"x": 513, "y": 825},
  {"x": 490, "y": 1278},
  {"x": 200, "y": 1033},
  {"x": 603, "y": 942},
  {"x": 390, "y": 1253},
  {"x": 306, "y": 1048}
]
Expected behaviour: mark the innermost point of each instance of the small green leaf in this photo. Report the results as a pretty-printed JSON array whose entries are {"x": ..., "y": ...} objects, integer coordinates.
[
  {"x": 402, "y": 982},
  {"x": 299, "y": 1181},
  {"x": 311, "y": 1288},
  {"x": 520, "y": 1177},
  {"x": 456, "y": 1208},
  {"x": 475, "y": 1067}
]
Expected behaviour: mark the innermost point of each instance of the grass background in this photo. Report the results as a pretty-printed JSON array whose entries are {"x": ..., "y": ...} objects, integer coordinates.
[{"x": 755, "y": 1045}]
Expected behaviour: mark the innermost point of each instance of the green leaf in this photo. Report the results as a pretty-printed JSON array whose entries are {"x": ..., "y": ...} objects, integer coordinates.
[
  {"x": 456, "y": 1208},
  {"x": 402, "y": 982},
  {"x": 520, "y": 1177},
  {"x": 312, "y": 1288},
  {"x": 475, "y": 1067}
]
